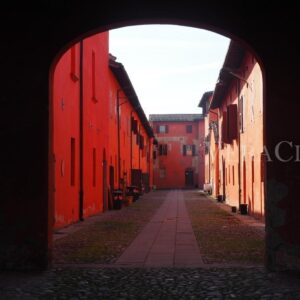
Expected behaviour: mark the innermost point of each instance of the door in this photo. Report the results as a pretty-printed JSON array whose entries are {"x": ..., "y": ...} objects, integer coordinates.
[
  {"x": 189, "y": 178},
  {"x": 224, "y": 179},
  {"x": 136, "y": 178},
  {"x": 111, "y": 186},
  {"x": 104, "y": 178}
]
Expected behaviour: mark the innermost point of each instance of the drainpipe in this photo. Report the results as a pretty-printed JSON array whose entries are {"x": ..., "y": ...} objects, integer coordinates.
[
  {"x": 131, "y": 114},
  {"x": 118, "y": 137},
  {"x": 139, "y": 149},
  {"x": 217, "y": 123},
  {"x": 81, "y": 134},
  {"x": 209, "y": 162},
  {"x": 239, "y": 146}
]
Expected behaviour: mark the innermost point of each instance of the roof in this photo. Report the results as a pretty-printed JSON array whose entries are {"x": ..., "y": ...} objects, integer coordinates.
[
  {"x": 126, "y": 85},
  {"x": 232, "y": 62},
  {"x": 203, "y": 102},
  {"x": 175, "y": 117},
  {"x": 204, "y": 98}
]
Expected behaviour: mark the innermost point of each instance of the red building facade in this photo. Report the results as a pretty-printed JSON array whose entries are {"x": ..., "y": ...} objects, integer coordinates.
[
  {"x": 95, "y": 145},
  {"x": 131, "y": 136},
  {"x": 179, "y": 155}
]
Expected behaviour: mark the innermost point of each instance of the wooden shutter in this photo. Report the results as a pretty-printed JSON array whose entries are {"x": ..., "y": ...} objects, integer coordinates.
[
  {"x": 232, "y": 122},
  {"x": 141, "y": 142},
  {"x": 167, "y": 128},
  {"x": 160, "y": 149},
  {"x": 193, "y": 150},
  {"x": 262, "y": 166},
  {"x": 135, "y": 126},
  {"x": 225, "y": 128},
  {"x": 184, "y": 150},
  {"x": 241, "y": 114},
  {"x": 165, "y": 149},
  {"x": 154, "y": 155}
]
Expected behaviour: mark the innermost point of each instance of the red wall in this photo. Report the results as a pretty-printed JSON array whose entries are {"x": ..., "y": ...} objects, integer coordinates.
[
  {"x": 99, "y": 132},
  {"x": 174, "y": 163},
  {"x": 95, "y": 120},
  {"x": 66, "y": 127}
]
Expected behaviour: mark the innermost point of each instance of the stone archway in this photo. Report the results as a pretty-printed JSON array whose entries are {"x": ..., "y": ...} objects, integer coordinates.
[{"x": 30, "y": 41}]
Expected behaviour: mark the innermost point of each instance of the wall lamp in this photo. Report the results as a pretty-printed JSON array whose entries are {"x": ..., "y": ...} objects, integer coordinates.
[{"x": 235, "y": 74}]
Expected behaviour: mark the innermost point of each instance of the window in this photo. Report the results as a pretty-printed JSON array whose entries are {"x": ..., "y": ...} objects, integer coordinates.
[
  {"x": 232, "y": 121},
  {"x": 72, "y": 162},
  {"x": 162, "y": 173},
  {"x": 224, "y": 128},
  {"x": 189, "y": 150},
  {"x": 73, "y": 73},
  {"x": 229, "y": 124},
  {"x": 154, "y": 154},
  {"x": 189, "y": 128},
  {"x": 262, "y": 166},
  {"x": 163, "y": 149},
  {"x": 141, "y": 142},
  {"x": 134, "y": 125},
  {"x": 162, "y": 128},
  {"x": 241, "y": 114},
  {"x": 94, "y": 98}
]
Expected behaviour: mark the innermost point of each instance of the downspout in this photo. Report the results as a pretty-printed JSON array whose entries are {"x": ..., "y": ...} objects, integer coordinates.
[
  {"x": 81, "y": 134},
  {"x": 131, "y": 116},
  {"x": 118, "y": 137},
  {"x": 209, "y": 161},
  {"x": 239, "y": 145},
  {"x": 139, "y": 149},
  {"x": 217, "y": 124}
]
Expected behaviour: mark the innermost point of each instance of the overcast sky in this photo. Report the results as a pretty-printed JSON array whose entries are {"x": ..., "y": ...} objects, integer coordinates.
[{"x": 169, "y": 66}]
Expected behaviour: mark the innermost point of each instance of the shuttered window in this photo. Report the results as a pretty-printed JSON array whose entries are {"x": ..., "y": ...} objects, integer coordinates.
[
  {"x": 189, "y": 128},
  {"x": 188, "y": 150},
  {"x": 162, "y": 129},
  {"x": 232, "y": 122},
  {"x": 163, "y": 149},
  {"x": 224, "y": 128},
  {"x": 134, "y": 125},
  {"x": 74, "y": 73}
]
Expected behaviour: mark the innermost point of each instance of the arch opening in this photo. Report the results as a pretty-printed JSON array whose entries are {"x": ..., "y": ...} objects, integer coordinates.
[{"x": 136, "y": 169}]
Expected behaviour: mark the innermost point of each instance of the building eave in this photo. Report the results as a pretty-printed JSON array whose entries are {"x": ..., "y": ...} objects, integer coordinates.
[
  {"x": 232, "y": 62},
  {"x": 126, "y": 85}
]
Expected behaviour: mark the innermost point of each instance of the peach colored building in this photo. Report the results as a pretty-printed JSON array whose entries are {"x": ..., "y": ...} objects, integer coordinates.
[
  {"x": 211, "y": 133},
  {"x": 238, "y": 101}
]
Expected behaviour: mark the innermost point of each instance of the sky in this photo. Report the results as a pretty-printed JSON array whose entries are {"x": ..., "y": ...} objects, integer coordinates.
[{"x": 170, "y": 66}]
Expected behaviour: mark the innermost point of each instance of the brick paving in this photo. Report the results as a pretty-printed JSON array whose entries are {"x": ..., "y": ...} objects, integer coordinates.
[{"x": 167, "y": 240}]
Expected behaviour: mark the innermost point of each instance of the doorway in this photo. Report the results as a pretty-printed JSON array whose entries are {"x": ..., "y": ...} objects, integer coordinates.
[{"x": 189, "y": 178}]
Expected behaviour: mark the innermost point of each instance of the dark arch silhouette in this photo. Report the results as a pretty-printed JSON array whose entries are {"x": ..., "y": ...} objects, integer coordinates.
[{"x": 31, "y": 39}]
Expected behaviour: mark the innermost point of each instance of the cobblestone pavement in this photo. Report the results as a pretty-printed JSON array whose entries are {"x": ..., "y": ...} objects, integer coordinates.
[
  {"x": 155, "y": 283},
  {"x": 208, "y": 281}
]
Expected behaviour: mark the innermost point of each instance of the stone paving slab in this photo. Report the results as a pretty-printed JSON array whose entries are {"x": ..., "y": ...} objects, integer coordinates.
[{"x": 167, "y": 240}]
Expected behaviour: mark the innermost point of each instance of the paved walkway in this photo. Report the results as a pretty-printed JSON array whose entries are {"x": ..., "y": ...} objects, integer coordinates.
[{"x": 167, "y": 240}]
